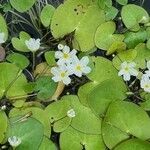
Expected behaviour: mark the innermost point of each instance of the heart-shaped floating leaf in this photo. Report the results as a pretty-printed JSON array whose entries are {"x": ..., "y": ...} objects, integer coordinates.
[
  {"x": 3, "y": 125},
  {"x": 46, "y": 87},
  {"x": 19, "y": 43},
  {"x": 21, "y": 5},
  {"x": 129, "y": 118},
  {"x": 12, "y": 81},
  {"x": 85, "y": 31},
  {"x": 111, "y": 13},
  {"x": 47, "y": 144},
  {"x": 143, "y": 55},
  {"x": 128, "y": 55},
  {"x": 57, "y": 112},
  {"x": 106, "y": 92},
  {"x": 112, "y": 135},
  {"x": 83, "y": 92},
  {"x": 148, "y": 44},
  {"x": 18, "y": 59},
  {"x": 67, "y": 16},
  {"x": 102, "y": 70},
  {"x": 3, "y": 27},
  {"x": 29, "y": 130},
  {"x": 36, "y": 113},
  {"x": 105, "y": 36},
  {"x": 84, "y": 121},
  {"x": 50, "y": 58},
  {"x": 132, "y": 15},
  {"x": 46, "y": 15},
  {"x": 133, "y": 144},
  {"x": 122, "y": 2},
  {"x": 116, "y": 47},
  {"x": 146, "y": 103},
  {"x": 132, "y": 39},
  {"x": 80, "y": 140}
]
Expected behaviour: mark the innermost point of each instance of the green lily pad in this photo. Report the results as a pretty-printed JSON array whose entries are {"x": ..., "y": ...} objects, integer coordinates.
[
  {"x": 3, "y": 27},
  {"x": 112, "y": 135},
  {"x": 57, "y": 113},
  {"x": 12, "y": 81},
  {"x": 67, "y": 17},
  {"x": 18, "y": 59},
  {"x": 111, "y": 13},
  {"x": 116, "y": 47},
  {"x": 145, "y": 104},
  {"x": 129, "y": 118},
  {"x": 128, "y": 55},
  {"x": 21, "y": 5},
  {"x": 143, "y": 55},
  {"x": 148, "y": 44},
  {"x": 133, "y": 144},
  {"x": 50, "y": 58},
  {"x": 85, "y": 30},
  {"x": 105, "y": 36},
  {"x": 3, "y": 125},
  {"x": 106, "y": 92},
  {"x": 80, "y": 140},
  {"x": 132, "y": 39},
  {"x": 29, "y": 130},
  {"x": 122, "y": 2},
  {"x": 46, "y": 87},
  {"x": 47, "y": 145},
  {"x": 36, "y": 113},
  {"x": 83, "y": 92},
  {"x": 132, "y": 15},
  {"x": 19, "y": 43},
  {"x": 102, "y": 70},
  {"x": 46, "y": 15}
]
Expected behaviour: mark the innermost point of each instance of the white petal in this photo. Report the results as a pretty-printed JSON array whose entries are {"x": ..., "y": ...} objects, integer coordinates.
[
  {"x": 73, "y": 52},
  {"x": 126, "y": 77},
  {"x": 85, "y": 60},
  {"x": 58, "y": 54},
  {"x": 55, "y": 70},
  {"x": 67, "y": 80},
  {"x": 124, "y": 64},
  {"x": 121, "y": 72},
  {"x": 78, "y": 73},
  {"x": 132, "y": 64},
  {"x": 56, "y": 79},
  {"x": 86, "y": 70},
  {"x": 133, "y": 72},
  {"x": 66, "y": 49}
]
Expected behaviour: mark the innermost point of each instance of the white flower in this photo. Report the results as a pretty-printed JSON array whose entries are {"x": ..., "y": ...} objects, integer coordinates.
[
  {"x": 127, "y": 70},
  {"x": 65, "y": 56},
  {"x": 79, "y": 67},
  {"x": 2, "y": 37},
  {"x": 60, "y": 46},
  {"x": 3, "y": 107},
  {"x": 61, "y": 74},
  {"x": 14, "y": 141},
  {"x": 33, "y": 44},
  {"x": 145, "y": 83},
  {"x": 148, "y": 67},
  {"x": 71, "y": 113}
]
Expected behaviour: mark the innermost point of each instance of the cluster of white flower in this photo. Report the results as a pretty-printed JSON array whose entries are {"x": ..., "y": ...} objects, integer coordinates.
[
  {"x": 128, "y": 69},
  {"x": 145, "y": 80},
  {"x": 14, "y": 141},
  {"x": 69, "y": 64},
  {"x": 33, "y": 44}
]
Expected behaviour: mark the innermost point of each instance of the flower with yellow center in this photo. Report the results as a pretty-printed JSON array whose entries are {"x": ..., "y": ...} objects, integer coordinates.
[
  {"x": 65, "y": 56},
  {"x": 79, "y": 67},
  {"x": 60, "y": 74},
  {"x": 145, "y": 83},
  {"x": 127, "y": 70}
]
